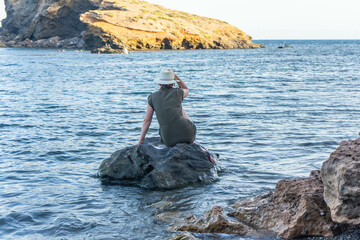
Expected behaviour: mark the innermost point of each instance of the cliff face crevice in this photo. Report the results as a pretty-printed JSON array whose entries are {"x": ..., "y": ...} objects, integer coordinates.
[
  {"x": 41, "y": 19},
  {"x": 122, "y": 23}
]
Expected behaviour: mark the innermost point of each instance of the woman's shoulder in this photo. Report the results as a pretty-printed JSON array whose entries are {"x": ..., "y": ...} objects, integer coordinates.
[
  {"x": 180, "y": 93},
  {"x": 153, "y": 95},
  {"x": 171, "y": 91}
]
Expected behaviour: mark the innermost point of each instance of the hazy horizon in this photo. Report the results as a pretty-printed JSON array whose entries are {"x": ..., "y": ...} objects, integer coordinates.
[{"x": 276, "y": 19}]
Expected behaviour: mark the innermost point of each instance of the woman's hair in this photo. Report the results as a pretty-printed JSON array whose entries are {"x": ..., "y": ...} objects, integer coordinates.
[{"x": 167, "y": 85}]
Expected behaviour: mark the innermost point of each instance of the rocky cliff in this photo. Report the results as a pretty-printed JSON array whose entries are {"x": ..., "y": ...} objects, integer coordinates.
[{"x": 133, "y": 24}]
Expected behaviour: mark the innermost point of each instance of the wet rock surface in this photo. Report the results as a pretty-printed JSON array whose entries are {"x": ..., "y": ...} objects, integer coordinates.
[
  {"x": 341, "y": 177},
  {"x": 53, "y": 42},
  {"x": 182, "y": 236},
  {"x": 213, "y": 221},
  {"x": 155, "y": 166}
]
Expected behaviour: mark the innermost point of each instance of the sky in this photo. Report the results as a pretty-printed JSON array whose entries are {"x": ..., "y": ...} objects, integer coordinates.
[{"x": 276, "y": 19}]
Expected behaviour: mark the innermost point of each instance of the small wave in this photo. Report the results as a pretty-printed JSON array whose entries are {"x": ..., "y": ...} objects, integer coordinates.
[
  {"x": 3, "y": 125},
  {"x": 12, "y": 221},
  {"x": 21, "y": 152},
  {"x": 323, "y": 143},
  {"x": 11, "y": 64},
  {"x": 63, "y": 226},
  {"x": 51, "y": 153},
  {"x": 93, "y": 134},
  {"x": 112, "y": 93}
]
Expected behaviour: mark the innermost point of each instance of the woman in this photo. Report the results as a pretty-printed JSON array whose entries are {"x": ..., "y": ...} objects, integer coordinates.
[{"x": 175, "y": 125}]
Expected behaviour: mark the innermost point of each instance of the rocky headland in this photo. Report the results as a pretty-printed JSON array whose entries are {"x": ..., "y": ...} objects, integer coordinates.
[
  {"x": 116, "y": 24},
  {"x": 325, "y": 204}
]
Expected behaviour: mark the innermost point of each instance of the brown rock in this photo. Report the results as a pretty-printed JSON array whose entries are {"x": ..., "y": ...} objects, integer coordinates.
[
  {"x": 182, "y": 236},
  {"x": 295, "y": 209},
  {"x": 11, "y": 43},
  {"x": 341, "y": 177},
  {"x": 173, "y": 217},
  {"x": 213, "y": 221},
  {"x": 28, "y": 43}
]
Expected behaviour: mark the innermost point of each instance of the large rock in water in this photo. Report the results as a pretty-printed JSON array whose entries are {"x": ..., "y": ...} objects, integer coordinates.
[
  {"x": 341, "y": 177},
  {"x": 118, "y": 23},
  {"x": 153, "y": 165},
  {"x": 295, "y": 209}
]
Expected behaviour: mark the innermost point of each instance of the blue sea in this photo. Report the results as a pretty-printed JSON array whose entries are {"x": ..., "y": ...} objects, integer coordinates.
[{"x": 270, "y": 113}]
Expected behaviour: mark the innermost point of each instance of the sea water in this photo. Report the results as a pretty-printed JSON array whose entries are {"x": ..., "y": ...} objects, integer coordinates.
[{"x": 270, "y": 113}]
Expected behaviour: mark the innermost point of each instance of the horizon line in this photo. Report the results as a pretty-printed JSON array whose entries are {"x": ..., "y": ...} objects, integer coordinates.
[{"x": 302, "y": 39}]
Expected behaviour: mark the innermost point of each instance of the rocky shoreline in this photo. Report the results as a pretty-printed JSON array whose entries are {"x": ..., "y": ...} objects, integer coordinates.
[
  {"x": 111, "y": 26},
  {"x": 325, "y": 204},
  {"x": 53, "y": 42}
]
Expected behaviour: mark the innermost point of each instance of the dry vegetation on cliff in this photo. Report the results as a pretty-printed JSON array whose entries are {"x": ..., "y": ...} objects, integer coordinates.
[
  {"x": 117, "y": 23},
  {"x": 141, "y": 25}
]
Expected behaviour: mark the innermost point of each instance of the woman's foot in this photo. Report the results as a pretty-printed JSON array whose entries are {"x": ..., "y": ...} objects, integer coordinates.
[{"x": 211, "y": 159}]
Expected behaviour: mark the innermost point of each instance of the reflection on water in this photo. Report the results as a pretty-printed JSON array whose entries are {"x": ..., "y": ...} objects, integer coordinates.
[{"x": 270, "y": 114}]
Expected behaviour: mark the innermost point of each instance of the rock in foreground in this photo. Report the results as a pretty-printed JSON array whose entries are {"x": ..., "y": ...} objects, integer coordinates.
[
  {"x": 153, "y": 165},
  {"x": 295, "y": 209},
  {"x": 213, "y": 221},
  {"x": 341, "y": 177},
  {"x": 182, "y": 236},
  {"x": 323, "y": 205}
]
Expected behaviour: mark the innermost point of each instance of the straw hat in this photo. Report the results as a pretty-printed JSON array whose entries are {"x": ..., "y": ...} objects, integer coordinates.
[{"x": 166, "y": 77}]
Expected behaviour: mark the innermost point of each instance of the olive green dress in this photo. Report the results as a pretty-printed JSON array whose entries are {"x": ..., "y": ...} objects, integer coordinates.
[{"x": 174, "y": 127}]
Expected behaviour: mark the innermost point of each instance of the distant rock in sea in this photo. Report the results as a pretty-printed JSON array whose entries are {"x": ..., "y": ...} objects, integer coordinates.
[{"x": 92, "y": 24}]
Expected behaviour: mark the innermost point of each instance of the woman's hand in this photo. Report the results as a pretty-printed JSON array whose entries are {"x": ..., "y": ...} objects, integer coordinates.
[
  {"x": 182, "y": 85},
  {"x": 176, "y": 77}
]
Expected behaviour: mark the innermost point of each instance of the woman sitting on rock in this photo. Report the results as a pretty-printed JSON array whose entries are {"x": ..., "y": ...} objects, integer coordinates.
[{"x": 175, "y": 125}]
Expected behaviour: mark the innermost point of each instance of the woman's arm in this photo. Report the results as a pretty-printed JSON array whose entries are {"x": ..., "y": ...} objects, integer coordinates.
[
  {"x": 146, "y": 123},
  {"x": 182, "y": 85}
]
